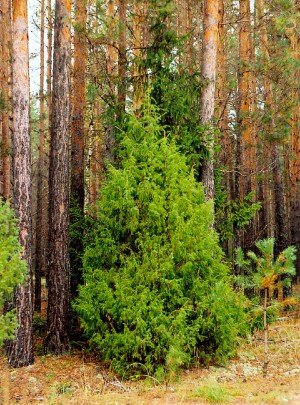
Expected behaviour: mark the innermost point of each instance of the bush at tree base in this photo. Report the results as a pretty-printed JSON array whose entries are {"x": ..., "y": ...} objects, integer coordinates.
[
  {"x": 156, "y": 294},
  {"x": 12, "y": 269}
]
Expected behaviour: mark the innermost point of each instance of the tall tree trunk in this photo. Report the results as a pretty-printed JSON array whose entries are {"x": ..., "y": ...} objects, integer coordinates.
[
  {"x": 78, "y": 145},
  {"x": 276, "y": 150},
  {"x": 49, "y": 59},
  {"x": 40, "y": 222},
  {"x": 226, "y": 155},
  {"x": 111, "y": 52},
  {"x": 122, "y": 57},
  {"x": 247, "y": 151},
  {"x": 137, "y": 52},
  {"x": 246, "y": 143},
  {"x": 209, "y": 67},
  {"x": 97, "y": 154},
  {"x": 21, "y": 348},
  {"x": 295, "y": 141},
  {"x": 59, "y": 266},
  {"x": 5, "y": 73},
  {"x": 109, "y": 143}
]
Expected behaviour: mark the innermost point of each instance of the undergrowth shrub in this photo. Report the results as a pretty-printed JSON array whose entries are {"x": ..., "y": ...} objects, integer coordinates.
[
  {"x": 12, "y": 269},
  {"x": 156, "y": 294}
]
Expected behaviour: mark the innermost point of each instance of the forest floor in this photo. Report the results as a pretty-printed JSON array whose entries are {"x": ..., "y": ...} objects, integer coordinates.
[{"x": 78, "y": 379}]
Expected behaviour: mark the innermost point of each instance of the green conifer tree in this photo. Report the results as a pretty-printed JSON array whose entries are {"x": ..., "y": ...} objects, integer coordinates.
[{"x": 157, "y": 294}]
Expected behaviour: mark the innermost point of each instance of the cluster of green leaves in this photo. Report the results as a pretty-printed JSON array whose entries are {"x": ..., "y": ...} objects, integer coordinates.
[
  {"x": 12, "y": 268},
  {"x": 157, "y": 295}
]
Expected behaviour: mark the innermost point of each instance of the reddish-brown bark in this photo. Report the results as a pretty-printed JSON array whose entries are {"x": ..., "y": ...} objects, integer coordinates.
[
  {"x": 56, "y": 340},
  {"x": 209, "y": 68},
  {"x": 21, "y": 348},
  {"x": 40, "y": 234},
  {"x": 78, "y": 145},
  {"x": 122, "y": 56}
]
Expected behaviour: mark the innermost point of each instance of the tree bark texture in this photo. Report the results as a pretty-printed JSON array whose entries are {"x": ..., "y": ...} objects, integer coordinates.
[
  {"x": 59, "y": 266},
  {"x": 209, "y": 68},
  {"x": 138, "y": 75},
  {"x": 246, "y": 152},
  {"x": 295, "y": 143},
  {"x": 122, "y": 57},
  {"x": 21, "y": 348},
  {"x": 78, "y": 146},
  {"x": 40, "y": 246},
  {"x": 281, "y": 233}
]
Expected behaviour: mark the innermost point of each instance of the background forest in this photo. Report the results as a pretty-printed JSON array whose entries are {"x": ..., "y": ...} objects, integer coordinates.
[{"x": 162, "y": 146}]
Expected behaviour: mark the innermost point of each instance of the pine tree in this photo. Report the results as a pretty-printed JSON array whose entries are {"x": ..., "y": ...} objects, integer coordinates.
[
  {"x": 78, "y": 144},
  {"x": 56, "y": 340},
  {"x": 40, "y": 233},
  {"x": 21, "y": 348},
  {"x": 209, "y": 69}
]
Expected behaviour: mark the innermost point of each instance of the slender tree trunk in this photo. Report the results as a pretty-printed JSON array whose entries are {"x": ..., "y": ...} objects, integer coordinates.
[
  {"x": 109, "y": 142},
  {"x": 122, "y": 57},
  {"x": 49, "y": 59},
  {"x": 96, "y": 161},
  {"x": 137, "y": 52},
  {"x": 21, "y": 348},
  {"x": 226, "y": 155},
  {"x": 5, "y": 40},
  {"x": 209, "y": 68},
  {"x": 78, "y": 145},
  {"x": 276, "y": 149},
  {"x": 111, "y": 52},
  {"x": 295, "y": 141},
  {"x": 246, "y": 136},
  {"x": 40, "y": 222},
  {"x": 59, "y": 266}
]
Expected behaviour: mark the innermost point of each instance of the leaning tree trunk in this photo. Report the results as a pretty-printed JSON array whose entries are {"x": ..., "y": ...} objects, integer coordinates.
[
  {"x": 209, "y": 67},
  {"x": 21, "y": 348},
  {"x": 59, "y": 267},
  {"x": 78, "y": 142}
]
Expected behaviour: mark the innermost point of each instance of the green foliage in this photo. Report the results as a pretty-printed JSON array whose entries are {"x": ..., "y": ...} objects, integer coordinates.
[
  {"x": 174, "y": 88},
  {"x": 260, "y": 271},
  {"x": 39, "y": 325},
  {"x": 232, "y": 215},
  {"x": 12, "y": 268},
  {"x": 256, "y": 314},
  {"x": 157, "y": 296}
]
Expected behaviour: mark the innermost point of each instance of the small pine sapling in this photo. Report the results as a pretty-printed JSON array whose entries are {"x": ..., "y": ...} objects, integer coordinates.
[{"x": 263, "y": 273}]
